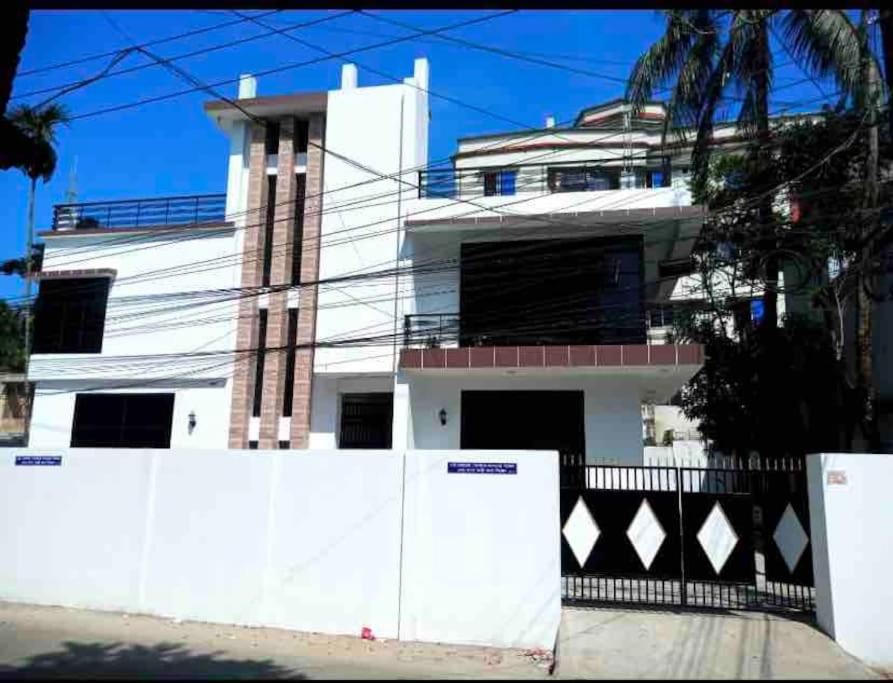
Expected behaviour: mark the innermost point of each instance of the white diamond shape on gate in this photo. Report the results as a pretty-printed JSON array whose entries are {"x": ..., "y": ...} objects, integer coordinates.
[
  {"x": 790, "y": 538},
  {"x": 717, "y": 537},
  {"x": 646, "y": 534},
  {"x": 581, "y": 531}
]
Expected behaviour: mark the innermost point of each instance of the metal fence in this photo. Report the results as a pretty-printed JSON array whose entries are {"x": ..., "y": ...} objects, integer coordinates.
[
  {"x": 134, "y": 213},
  {"x": 734, "y": 536}
]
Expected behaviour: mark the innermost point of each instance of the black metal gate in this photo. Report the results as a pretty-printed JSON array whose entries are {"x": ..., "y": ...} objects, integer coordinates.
[{"x": 732, "y": 537}]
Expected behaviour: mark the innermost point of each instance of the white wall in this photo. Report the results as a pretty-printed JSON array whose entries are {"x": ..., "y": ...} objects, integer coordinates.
[
  {"x": 53, "y": 412},
  {"x": 384, "y": 129},
  {"x": 852, "y": 551},
  {"x": 140, "y": 321},
  {"x": 480, "y": 546},
  {"x": 612, "y": 405},
  {"x": 308, "y": 541}
]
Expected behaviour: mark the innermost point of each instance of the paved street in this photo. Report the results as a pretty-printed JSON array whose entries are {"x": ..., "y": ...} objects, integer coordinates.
[
  {"x": 594, "y": 643},
  {"x": 53, "y": 641},
  {"x": 617, "y": 643}
]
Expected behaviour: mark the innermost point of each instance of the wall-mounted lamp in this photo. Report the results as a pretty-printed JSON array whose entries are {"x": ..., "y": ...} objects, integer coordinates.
[
  {"x": 443, "y": 416},
  {"x": 192, "y": 421}
]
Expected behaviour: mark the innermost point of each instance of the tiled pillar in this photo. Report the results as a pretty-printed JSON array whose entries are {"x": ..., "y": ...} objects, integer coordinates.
[
  {"x": 252, "y": 265},
  {"x": 306, "y": 337},
  {"x": 280, "y": 274}
]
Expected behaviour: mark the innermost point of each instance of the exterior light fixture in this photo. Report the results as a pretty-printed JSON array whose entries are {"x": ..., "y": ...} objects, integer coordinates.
[
  {"x": 192, "y": 421},
  {"x": 443, "y": 416}
]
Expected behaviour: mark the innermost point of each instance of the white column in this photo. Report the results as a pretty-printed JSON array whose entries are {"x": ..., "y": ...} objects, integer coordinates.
[{"x": 401, "y": 430}]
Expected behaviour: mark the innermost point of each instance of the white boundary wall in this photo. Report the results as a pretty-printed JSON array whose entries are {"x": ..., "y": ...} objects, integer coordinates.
[
  {"x": 852, "y": 550},
  {"x": 320, "y": 541}
]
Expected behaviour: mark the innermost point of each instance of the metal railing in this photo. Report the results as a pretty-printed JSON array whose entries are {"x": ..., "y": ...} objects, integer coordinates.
[
  {"x": 134, "y": 213},
  {"x": 435, "y": 330},
  {"x": 542, "y": 178}
]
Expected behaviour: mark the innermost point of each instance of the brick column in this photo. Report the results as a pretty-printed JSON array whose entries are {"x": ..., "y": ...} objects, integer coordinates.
[
  {"x": 280, "y": 274},
  {"x": 303, "y": 386},
  {"x": 252, "y": 265}
]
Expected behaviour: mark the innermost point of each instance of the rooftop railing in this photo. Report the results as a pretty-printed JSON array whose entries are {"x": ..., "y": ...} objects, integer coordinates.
[
  {"x": 136, "y": 213},
  {"x": 543, "y": 178}
]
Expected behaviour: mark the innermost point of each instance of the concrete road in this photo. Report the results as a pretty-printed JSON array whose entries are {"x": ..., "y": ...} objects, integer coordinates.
[
  {"x": 49, "y": 642},
  {"x": 616, "y": 643}
]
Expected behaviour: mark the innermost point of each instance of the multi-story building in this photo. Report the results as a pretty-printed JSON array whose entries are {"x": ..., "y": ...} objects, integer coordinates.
[{"x": 341, "y": 294}]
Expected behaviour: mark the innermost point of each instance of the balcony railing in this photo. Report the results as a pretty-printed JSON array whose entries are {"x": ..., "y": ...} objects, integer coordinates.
[
  {"x": 135, "y": 213},
  {"x": 435, "y": 330},
  {"x": 542, "y": 178}
]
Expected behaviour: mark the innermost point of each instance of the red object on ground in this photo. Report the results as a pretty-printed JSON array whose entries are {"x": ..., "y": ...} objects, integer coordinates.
[{"x": 366, "y": 634}]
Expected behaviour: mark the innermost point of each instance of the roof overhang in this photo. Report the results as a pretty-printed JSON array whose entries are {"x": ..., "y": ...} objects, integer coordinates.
[{"x": 224, "y": 112}]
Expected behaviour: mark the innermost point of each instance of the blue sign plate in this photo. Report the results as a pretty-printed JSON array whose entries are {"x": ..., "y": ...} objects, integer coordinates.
[
  {"x": 38, "y": 460},
  {"x": 482, "y": 468}
]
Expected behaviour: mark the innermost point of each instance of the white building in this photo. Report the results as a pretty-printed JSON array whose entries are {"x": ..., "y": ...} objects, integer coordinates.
[{"x": 342, "y": 295}]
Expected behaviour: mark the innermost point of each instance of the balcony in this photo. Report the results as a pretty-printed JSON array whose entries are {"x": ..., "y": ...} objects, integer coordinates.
[
  {"x": 141, "y": 213},
  {"x": 444, "y": 330},
  {"x": 490, "y": 181}
]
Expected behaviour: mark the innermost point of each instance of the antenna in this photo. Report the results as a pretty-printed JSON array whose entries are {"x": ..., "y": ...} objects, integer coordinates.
[{"x": 71, "y": 194}]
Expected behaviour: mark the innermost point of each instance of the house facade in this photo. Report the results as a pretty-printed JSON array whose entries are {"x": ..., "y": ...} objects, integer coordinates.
[{"x": 342, "y": 294}]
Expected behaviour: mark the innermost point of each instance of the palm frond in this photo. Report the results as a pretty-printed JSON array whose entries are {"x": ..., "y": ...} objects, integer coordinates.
[
  {"x": 661, "y": 62},
  {"x": 40, "y": 124},
  {"x": 826, "y": 43}
]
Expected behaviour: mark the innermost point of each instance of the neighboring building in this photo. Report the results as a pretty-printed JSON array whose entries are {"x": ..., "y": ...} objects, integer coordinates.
[{"x": 341, "y": 295}]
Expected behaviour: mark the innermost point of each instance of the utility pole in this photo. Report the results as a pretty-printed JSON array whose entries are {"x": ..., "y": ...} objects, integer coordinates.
[{"x": 865, "y": 276}]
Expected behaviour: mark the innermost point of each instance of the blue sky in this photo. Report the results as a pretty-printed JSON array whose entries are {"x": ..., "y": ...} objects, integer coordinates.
[{"x": 170, "y": 147}]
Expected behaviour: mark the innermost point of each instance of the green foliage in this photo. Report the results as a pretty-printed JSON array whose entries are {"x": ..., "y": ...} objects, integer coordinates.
[
  {"x": 774, "y": 391},
  {"x": 12, "y": 339}
]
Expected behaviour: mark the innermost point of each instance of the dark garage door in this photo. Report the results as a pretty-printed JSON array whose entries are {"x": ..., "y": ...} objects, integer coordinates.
[
  {"x": 122, "y": 421},
  {"x": 534, "y": 420}
]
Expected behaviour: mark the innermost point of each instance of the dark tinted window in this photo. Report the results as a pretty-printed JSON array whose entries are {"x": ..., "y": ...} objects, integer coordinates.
[
  {"x": 69, "y": 315},
  {"x": 301, "y": 136},
  {"x": 122, "y": 421},
  {"x": 559, "y": 291},
  {"x": 260, "y": 356},
  {"x": 297, "y": 239},
  {"x": 272, "y": 142},
  {"x": 288, "y": 393},
  {"x": 366, "y": 420},
  {"x": 583, "y": 179},
  {"x": 268, "y": 231}
]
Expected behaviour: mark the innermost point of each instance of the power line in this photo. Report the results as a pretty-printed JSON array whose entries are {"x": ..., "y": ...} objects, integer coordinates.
[
  {"x": 103, "y": 55},
  {"x": 285, "y": 67},
  {"x": 67, "y": 87}
]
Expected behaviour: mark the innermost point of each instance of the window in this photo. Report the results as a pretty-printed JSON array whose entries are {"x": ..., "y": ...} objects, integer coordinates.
[
  {"x": 288, "y": 393},
  {"x": 583, "y": 179},
  {"x": 69, "y": 315},
  {"x": 252, "y": 445},
  {"x": 552, "y": 291},
  {"x": 297, "y": 238},
  {"x": 366, "y": 420},
  {"x": 268, "y": 232},
  {"x": 259, "y": 362},
  {"x": 122, "y": 421},
  {"x": 301, "y": 136},
  {"x": 272, "y": 139},
  {"x": 756, "y": 311},
  {"x": 499, "y": 183},
  {"x": 284, "y": 445}
]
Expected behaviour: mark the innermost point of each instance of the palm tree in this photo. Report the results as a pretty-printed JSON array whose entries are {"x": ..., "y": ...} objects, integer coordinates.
[
  {"x": 40, "y": 125},
  {"x": 705, "y": 53}
]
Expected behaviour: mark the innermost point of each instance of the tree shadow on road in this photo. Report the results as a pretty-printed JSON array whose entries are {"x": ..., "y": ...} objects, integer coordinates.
[{"x": 165, "y": 660}]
